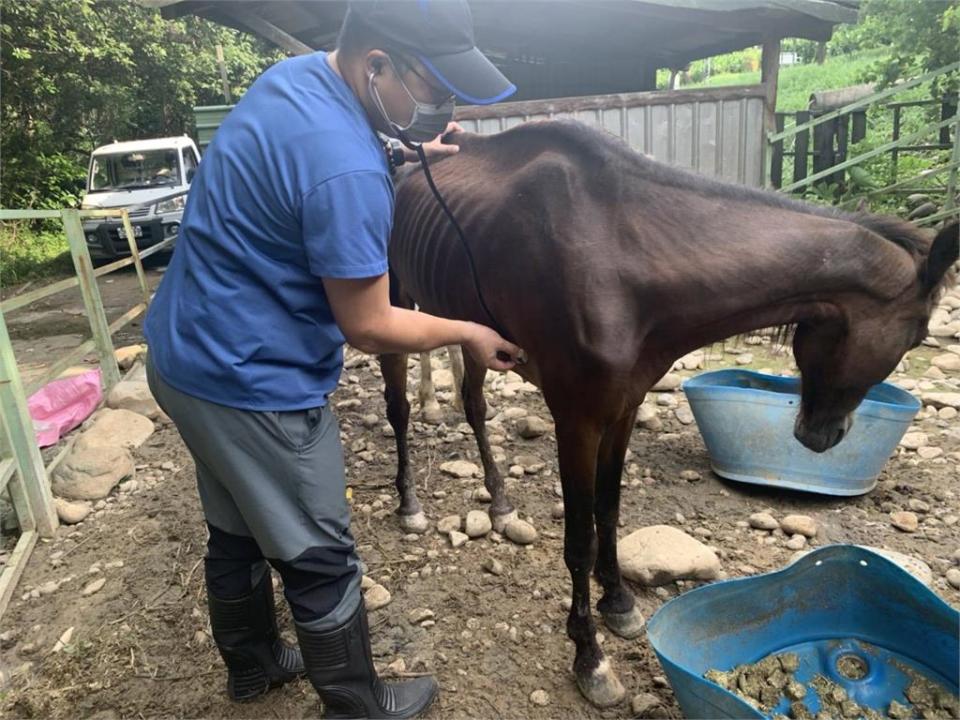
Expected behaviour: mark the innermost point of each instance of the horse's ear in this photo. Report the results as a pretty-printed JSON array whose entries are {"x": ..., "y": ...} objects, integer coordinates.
[{"x": 943, "y": 254}]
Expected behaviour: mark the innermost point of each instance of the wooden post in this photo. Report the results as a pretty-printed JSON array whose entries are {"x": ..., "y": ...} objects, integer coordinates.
[
  {"x": 842, "y": 133},
  {"x": 22, "y": 441},
  {"x": 895, "y": 153},
  {"x": 776, "y": 167},
  {"x": 948, "y": 108},
  {"x": 135, "y": 254},
  {"x": 801, "y": 148},
  {"x": 769, "y": 73},
  {"x": 109, "y": 372},
  {"x": 223, "y": 75},
  {"x": 769, "y": 76},
  {"x": 952, "y": 189}
]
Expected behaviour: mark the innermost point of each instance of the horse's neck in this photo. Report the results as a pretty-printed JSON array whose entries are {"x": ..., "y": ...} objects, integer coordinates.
[{"x": 761, "y": 267}]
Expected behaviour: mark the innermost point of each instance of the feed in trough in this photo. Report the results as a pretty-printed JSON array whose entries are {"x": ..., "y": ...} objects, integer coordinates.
[{"x": 768, "y": 682}]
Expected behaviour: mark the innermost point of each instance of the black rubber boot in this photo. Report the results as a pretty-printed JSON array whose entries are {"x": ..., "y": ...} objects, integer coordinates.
[
  {"x": 340, "y": 666},
  {"x": 245, "y": 630}
]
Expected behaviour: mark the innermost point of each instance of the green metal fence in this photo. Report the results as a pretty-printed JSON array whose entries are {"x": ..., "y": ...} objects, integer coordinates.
[
  {"x": 776, "y": 140},
  {"x": 21, "y": 466}
]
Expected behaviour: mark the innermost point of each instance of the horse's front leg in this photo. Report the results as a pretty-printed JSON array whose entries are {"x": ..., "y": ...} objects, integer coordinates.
[
  {"x": 578, "y": 443},
  {"x": 617, "y": 604}
]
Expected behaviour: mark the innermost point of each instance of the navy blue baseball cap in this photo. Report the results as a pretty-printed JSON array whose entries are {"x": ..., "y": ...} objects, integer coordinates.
[{"x": 439, "y": 33}]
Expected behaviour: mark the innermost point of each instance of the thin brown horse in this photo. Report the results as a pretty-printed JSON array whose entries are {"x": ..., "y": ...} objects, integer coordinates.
[{"x": 606, "y": 267}]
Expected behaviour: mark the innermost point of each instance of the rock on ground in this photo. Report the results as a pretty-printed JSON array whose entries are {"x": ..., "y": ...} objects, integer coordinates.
[
  {"x": 116, "y": 428},
  {"x": 905, "y": 520},
  {"x": 458, "y": 539},
  {"x": 540, "y": 697},
  {"x": 376, "y": 597},
  {"x": 532, "y": 427},
  {"x": 670, "y": 381},
  {"x": 70, "y": 513},
  {"x": 661, "y": 554},
  {"x": 914, "y": 440},
  {"x": 520, "y": 532},
  {"x": 941, "y": 399},
  {"x": 128, "y": 355},
  {"x": 93, "y": 587},
  {"x": 448, "y": 524},
  {"x": 763, "y": 521},
  {"x": 478, "y": 524},
  {"x": 799, "y": 525},
  {"x": 460, "y": 469},
  {"x": 90, "y": 473},
  {"x": 134, "y": 395},
  {"x": 948, "y": 362},
  {"x": 953, "y": 577}
]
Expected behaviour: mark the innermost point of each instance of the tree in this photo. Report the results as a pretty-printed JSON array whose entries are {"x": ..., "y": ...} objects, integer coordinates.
[
  {"x": 918, "y": 35},
  {"x": 75, "y": 74}
]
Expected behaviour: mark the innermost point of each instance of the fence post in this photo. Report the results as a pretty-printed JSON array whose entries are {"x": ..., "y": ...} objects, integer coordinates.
[
  {"x": 776, "y": 163},
  {"x": 952, "y": 189},
  {"x": 801, "y": 148},
  {"x": 109, "y": 372},
  {"x": 135, "y": 254},
  {"x": 22, "y": 440},
  {"x": 895, "y": 152}
]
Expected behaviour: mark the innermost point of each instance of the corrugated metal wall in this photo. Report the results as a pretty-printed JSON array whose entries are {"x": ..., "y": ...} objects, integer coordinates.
[{"x": 718, "y": 132}]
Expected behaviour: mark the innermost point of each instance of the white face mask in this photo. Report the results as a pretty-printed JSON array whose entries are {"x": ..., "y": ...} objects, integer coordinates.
[{"x": 427, "y": 120}]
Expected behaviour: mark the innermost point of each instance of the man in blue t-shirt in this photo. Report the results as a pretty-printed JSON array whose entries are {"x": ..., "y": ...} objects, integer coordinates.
[{"x": 282, "y": 257}]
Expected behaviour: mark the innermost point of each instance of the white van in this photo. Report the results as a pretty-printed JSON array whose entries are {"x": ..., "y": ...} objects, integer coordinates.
[{"x": 150, "y": 178}]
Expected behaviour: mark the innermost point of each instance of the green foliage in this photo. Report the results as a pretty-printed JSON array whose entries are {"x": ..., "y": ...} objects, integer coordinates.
[
  {"x": 80, "y": 73},
  {"x": 797, "y": 82},
  {"x": 916, "y": 36},
  {"x": 28, "y": 254}
]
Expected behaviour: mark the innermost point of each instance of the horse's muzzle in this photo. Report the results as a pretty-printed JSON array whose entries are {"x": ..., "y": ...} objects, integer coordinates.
[{"x": 820, "y": 437}]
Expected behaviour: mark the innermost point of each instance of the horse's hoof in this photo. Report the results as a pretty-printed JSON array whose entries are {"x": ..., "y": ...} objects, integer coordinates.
[
  {"x": 627, "y": 625},
  {"x": 416, "y": 523},
  {"x": 602, "y": 687},
  {"x": 500, "y": 522},
  {"x": 432, "y": 414}
]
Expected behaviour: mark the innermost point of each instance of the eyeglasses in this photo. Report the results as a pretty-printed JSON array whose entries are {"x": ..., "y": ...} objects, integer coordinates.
[{"x": 408, "y": 64}]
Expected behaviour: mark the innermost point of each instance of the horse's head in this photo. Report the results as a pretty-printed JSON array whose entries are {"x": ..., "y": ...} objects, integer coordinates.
[{"x": 841, "y": 358}]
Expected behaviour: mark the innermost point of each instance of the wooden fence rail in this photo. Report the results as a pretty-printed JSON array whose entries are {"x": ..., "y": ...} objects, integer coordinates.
[{"x": 22, "y": 471}]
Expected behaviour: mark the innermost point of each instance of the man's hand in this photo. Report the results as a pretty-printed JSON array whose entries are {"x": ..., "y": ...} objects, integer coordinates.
[
  {"x": 435, "y": 148},
  {"x": 489, "y": 348},
  {"x": 369, "y": 323}
]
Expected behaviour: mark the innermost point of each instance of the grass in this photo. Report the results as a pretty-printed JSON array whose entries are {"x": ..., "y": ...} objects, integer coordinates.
[
  {"x": 28, "y": 254},
  {"x": 798, "y": 82}
]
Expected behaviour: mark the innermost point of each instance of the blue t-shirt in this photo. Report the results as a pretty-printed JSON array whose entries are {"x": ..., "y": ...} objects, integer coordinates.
[{"x": 294, "y": 188}]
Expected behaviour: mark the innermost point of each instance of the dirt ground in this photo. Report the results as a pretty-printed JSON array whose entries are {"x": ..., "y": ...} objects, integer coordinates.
[
  {"x": 140, "y": 646},
  {"x": 49, "y": 328}
]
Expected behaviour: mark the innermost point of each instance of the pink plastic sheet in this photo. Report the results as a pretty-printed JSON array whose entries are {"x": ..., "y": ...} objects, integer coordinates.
[{"x": 60, "y": 406}]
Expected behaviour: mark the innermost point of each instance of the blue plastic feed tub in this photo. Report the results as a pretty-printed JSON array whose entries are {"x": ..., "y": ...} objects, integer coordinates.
[
  {"x": 852, "y": 620},
  {"x": 746, "y": 419}
]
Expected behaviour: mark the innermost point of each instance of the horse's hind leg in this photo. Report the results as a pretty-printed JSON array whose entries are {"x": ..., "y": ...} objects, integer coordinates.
[
  {"x": 394, "y": 369},
  {"x": 475, "y": 407},
  {"x": 455, "y": 355},
  {"x": 429, "y": 407},
  {"x": 577, "y": 446},
  {"x": 617, "y": 604}
]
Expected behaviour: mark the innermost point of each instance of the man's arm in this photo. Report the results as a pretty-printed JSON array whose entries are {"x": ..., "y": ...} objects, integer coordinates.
[{"x": 371, "y": 324}]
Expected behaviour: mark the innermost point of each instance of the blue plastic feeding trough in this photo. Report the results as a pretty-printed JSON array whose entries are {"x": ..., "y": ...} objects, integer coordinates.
[
  {"x": 746, "y": 419},
  {"x": 853, "y": 621}
]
